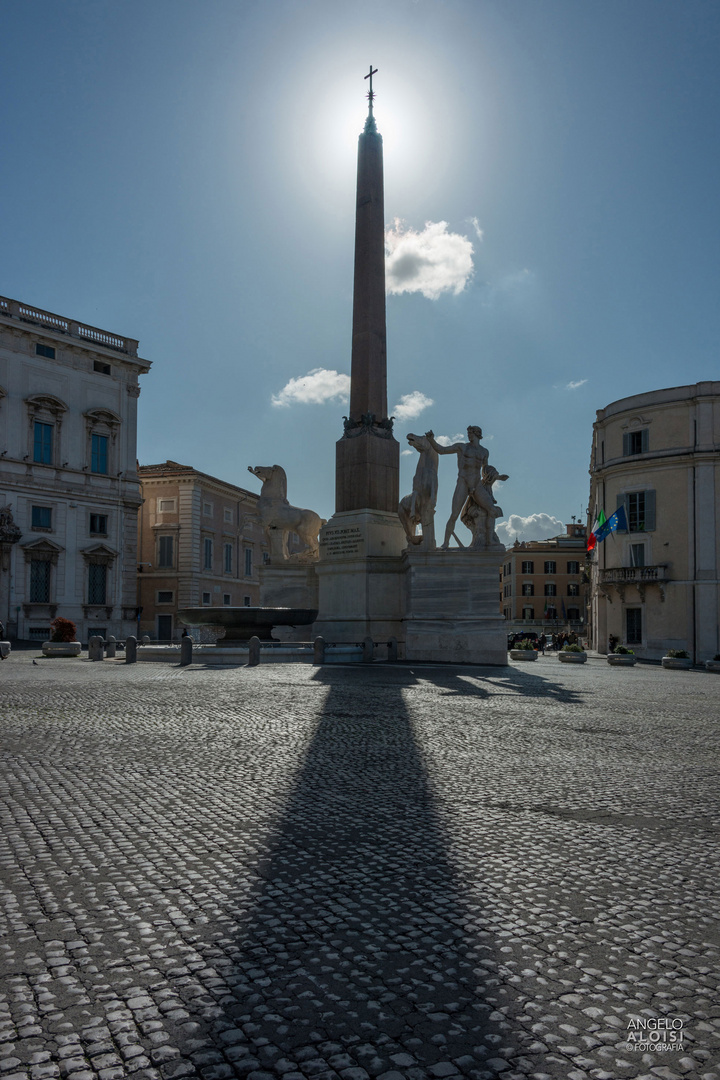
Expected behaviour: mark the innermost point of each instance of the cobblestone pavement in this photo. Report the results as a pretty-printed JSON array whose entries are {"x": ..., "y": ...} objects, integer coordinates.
[{"x": 395, "y": 872}]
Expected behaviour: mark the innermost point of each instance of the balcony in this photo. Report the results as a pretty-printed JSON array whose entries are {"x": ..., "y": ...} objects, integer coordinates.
[{"x": 619, "y": 577}]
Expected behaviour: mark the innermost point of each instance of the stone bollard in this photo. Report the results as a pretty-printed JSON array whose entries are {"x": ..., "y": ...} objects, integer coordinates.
[
  {"x": 131, "y": 650},
  {"x": 110, "y": 647},
  {"x": 319, "y": 651},
  {"x": 145, "y": 639},
  {"x": 95, "y": 649},
  {"x": 254, "y": 652},
  {"x": 392, "y": 649},
  {"x": 368, "y": 651},
  {"x": 185, "y": 651}
]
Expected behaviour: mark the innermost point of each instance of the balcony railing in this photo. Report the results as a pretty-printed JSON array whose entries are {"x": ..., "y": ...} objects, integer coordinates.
[
  {"x": 13, "y": 309},
  {"x": 634, "y": 575}
]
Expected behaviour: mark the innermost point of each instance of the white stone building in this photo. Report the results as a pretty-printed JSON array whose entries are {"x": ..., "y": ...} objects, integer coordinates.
[
  {"x": 657, "y": 586},
  {"x": 68, "y": 473}
]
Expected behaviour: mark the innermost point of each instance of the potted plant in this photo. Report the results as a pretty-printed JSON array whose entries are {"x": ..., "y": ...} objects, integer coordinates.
[
  {"x": 524, "y": 650},
  {"x": 572, "y": 654},
  {"x": 677, "y": 658},
  {"x": 621, "y": 657},
  {"x": 62, "y": 639},
  {"x": 714, "y": 664}
]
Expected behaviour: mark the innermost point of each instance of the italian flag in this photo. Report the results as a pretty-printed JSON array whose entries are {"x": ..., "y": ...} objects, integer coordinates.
[{"x": 599, "y": 522}]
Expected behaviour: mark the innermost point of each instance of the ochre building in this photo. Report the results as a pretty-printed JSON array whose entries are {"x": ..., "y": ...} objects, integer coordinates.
[
  {"x": 199, "y": 543},
  {"x": 656, "y": 586},
  {"x": 543, "y": 583}
]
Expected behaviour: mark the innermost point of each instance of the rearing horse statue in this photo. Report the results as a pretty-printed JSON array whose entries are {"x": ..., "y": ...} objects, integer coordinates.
[{"x": 279, "y": 518}]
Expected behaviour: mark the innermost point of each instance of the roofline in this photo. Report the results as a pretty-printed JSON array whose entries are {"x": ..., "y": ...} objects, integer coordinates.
[
  {"x": 659, "y": 397},
  {"x": 174, "y": 469},
  {"x": 19, "y": 315}
]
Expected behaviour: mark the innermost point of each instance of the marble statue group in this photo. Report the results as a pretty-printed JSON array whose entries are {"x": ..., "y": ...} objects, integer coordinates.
[{"x": 473, "y": 500}]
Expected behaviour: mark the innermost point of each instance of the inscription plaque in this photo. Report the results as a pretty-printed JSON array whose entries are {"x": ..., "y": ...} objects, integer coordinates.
[{"x": 339, "y": 542}]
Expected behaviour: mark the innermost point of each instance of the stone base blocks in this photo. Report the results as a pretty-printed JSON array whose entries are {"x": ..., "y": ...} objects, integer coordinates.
[
  {"x": 451, "y": 607},
  {"x": 367, "y": 471},
  {"x": 361, "y": 586}
]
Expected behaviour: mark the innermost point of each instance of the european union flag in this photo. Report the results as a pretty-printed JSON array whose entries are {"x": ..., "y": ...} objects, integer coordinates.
[{"x": 616, "y": 521}]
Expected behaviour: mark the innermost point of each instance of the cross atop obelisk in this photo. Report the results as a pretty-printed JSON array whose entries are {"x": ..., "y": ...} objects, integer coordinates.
[
  {"x": 370, "y": 122},
  {"x": 368, "y": 457}
]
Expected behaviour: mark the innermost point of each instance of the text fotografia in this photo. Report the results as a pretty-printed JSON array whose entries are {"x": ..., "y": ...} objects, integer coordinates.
[{"x": 661, "y": 1033}]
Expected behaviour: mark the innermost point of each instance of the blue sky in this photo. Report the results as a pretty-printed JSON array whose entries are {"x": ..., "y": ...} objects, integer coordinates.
[{"x": 183, "y": 173}]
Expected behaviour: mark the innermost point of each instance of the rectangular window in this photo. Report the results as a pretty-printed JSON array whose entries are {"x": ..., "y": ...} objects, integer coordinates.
[
  {"x": 45, "y": 350},
  {"x": 207, "y": 553},
  {"x": 207, "y": 509},
  {"x": 528, "y": 589},
  {"x": 99, "y": 366},
  {"x": 573, "y": 614},
  {"x": 43, "y": 443},
  {"x": 228, "y": 515},
  {"x": 41, "y": 517},
  {"x": 226, "y": 599},
  {"x": 40, "y": 581},
  {"x": 635, "y": 442},
  {"x": 640, "y": 510},
  {"x": 573, "y": 589},
  {"x": 637, "y": 554},
  {"x": 228, "y": 560},
  {"x": 528, "y": 613},
  {"x": 166, "y": 506},
  {"x": 551, "y": 568},
  {"x": 98, "y": 524},
  {"x": 39, "y": 633},
  {"x": 206, "y": 598},
  {"x": 165, "y": 596},
  {"x": 97, "y": 583},
  {"x": 633, "y": 626},
  {"x": 551, "y": 588},
  {"x": 528, "y": 568},
  {"x": 266, "y": 557},
  {"x": 166, "y": 553},
  {"x": 246, "y": 601},
  {"x": 248, "y": 562},
  {"x": 99, "y": 454},
  {"x": 573, "y": 568}
]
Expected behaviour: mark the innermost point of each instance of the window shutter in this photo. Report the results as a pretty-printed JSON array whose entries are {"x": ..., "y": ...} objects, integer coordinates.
[
  {"x": 649, "y": 511},
  {"x": 645, "y": 440},
  {"x": 626, "y": 444},
  {"x": 622, "y": 501}
]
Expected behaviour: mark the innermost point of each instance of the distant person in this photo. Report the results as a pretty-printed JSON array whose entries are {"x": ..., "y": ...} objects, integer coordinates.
[
  {"x": 542, "y": 642},
  {"x": 185, "y": 633}
]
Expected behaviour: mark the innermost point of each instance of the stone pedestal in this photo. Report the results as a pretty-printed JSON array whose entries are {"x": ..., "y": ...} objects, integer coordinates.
[
  {"x": 367, "y": 471},
  {"x": 452, "y": 607},
  {"x": 289, "y": 584},
  {"x": 360, "y": 577}
]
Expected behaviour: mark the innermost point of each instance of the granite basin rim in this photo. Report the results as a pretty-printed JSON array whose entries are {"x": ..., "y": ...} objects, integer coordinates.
[{"x": 242, "y": 623}]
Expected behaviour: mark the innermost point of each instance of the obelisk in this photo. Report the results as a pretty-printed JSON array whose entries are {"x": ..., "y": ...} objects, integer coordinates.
[{"x": 367, "y": 456}]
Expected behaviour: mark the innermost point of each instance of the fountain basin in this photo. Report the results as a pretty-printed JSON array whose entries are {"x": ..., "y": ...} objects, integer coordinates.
[{"x": 239, "y": 624}]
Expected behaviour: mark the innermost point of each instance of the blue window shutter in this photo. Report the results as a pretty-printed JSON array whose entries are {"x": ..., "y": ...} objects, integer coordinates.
[
  {"x": 626, "y": 444},
  {"x": 645, "y": 440},
  {"x": 649, "y": 511},
  {"x": 622, "y": 501}
]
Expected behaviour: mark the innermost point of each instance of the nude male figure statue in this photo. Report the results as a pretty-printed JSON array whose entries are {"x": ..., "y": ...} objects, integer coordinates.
[{"x": 472, "y": 460}]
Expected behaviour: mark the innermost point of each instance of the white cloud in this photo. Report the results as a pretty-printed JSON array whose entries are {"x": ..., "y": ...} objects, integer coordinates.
[
  {"x": 432, "y": 262},
  {"x": 411, "y": 405},
  {"x": 575, "y": 385},
  {"x": 448, "y": 440},
  {"x": 532, "y": 527},
  {"x": 476, "y": 226},
  {"x": 403, "y": 453},
  {"x": 318, "y": 386}
]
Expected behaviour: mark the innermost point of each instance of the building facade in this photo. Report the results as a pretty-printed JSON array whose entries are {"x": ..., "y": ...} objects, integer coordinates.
[
  {"x": 657, "y": 586},
  {"x": 199, "y": 543},
  {"x": 544, "y": 584},
  {"x": 68, "y": 474}
]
